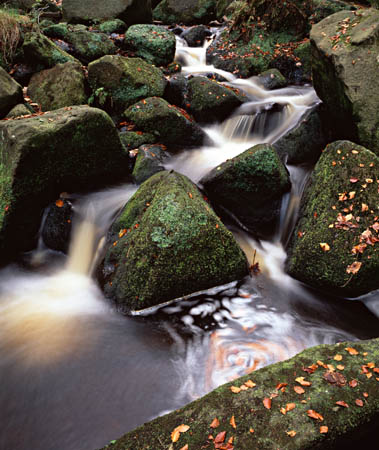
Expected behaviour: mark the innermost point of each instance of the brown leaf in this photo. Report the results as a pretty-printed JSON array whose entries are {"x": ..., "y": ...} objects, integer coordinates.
[
  {"x": 59, "y": 203},
  {"x": 185, "y": 447},
  {"x": 290, "y": 406},
  {"x": 280, "y": 386},
  {"x": 220, "y": 437},
  {"x": 335, "y": 378},
  {"x": 250, "y": 384},
  {"x": 359, "y": 402},
  {"x": 233, "y": 422},
  {"x": 303, "y": 382},
  {"x": 314, "y": 415},
  {"x": 291, "y": 433},
  {"x": 324, "y": 429},
  {"x": 351, "y": 350},
  {"x": 324, "y": 246},
  {"x": 354, "y": 267},
  {"x": 215, "y": 423},
  {"x": 175, "y": 435},
  {"x": 338, "y": 358},
  {"x": 342, "y": 403},
  {"x": 299, "y": 390},
  {"x": 235, "y": 389},
  {"x": 353, "y": 383},
  {"x": 267, "y": 403}
]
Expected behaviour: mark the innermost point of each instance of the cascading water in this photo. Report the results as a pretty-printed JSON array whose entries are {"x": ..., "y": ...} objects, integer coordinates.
[{"x": 75, "y": 374}]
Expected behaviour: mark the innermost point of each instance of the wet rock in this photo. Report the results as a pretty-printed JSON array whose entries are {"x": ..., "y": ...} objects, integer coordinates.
[
  {"x": 118, "y": 82},
  {"x": 63, "y": 85},
  {"x": 250, "y": 186},
  {"x": 149, "y": 161},
  {"x": 221, "y": 7},
  {"x": 134, "y": 139},
  {"x": 113, "y": 26},
  {"x": 176, "y": 91},
  {"x": 130, "y": 11},
  {"x": 272, "y": 79},
  {"x": 19, "y": 110},
  {"x": 304, "y": 143},
  {"x": 189, "y": 12},
  {"x": 57, "y": 227},
  {"x": 348, "y": 112},
  {"x": 195, "y": 36},
  {"x": 168, "y": 243},
  {"x": 70, "y": 149},
  {"x": 210, "y": 101},
  {"x": 153, "y": 43},
  {"x": 170, "y": 124},
  {"x": 339, "y": 209},
  {"x": 347, "y": 427},
  {"x": 10, "y": 93}
]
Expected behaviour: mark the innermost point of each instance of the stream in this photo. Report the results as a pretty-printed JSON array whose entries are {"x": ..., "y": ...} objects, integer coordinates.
[{"x": 74, "y": 373}]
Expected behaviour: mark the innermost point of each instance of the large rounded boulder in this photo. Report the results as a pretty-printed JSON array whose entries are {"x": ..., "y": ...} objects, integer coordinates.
[
  {"x": 335, "y": 245},
  {"x": 10, "y": 93},
  {"x": 168, "y": 243},
  {"x": 185, "y": 11}
]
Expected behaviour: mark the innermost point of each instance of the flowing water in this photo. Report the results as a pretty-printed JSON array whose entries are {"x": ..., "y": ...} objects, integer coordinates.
[{"x": 75, "y": 374}]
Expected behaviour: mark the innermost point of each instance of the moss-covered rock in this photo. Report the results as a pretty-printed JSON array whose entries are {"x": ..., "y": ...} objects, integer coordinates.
[
  {"x": 345, "y": 46},
  {"x": 113, "y": 26},
  {"x": 124, "y": 81},
  {"x": 89, "y": 46},
  {"x": 149, "y": 161},
  {"x": 210, "y": 101},
  {"x": 272, "y": 79},
  {"x": 63, "y": 85},
  {"x": 168, "y": 243},
  {"x": 134, "y": 139},
  {"x": 334, "y": 246},
  {"x": 20, "y": 110},
  {"x": 130, "y": 11},
  {"x": 285, "y": 419},
  {"x": 40, "y": 52},
  {"x": 10, "y": 93},
  {"x": 250, "y": 186},
  {"x": 221, "y": 7},
  {"x": 304, "y": 143},
  {"x": 65, "y": 150},
  {"x": 153, "y": 43},
  {"x": 56, "y": 229},
  {"x": 169, "y": 123},
  {"x": 195, "y": 36},
  {"x": 189, "y": 12}
]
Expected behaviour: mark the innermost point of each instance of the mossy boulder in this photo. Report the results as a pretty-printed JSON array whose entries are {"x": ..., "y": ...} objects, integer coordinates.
[
  {"x": 113, "y": 26},
  {"x": 89, "y": 46},
  {"x": 70, "y": 149},
  {"x": 250, "y": 186},
  {"x": 130, "y": 11},
  {"x": 272, "y": 79},
  {"x": 169, "y": 123},
  {"x": 123, "y": 81},
  {"x": 20, "y": 110},
  {"x": 10, "y": 93},
  {"x": 168, "y": 243},
  {"x": 189, "y": 12},
  {"x": 134, "y": 139},
  {"x": 63, "y": 85},
  {"x": 304, "y": 143},
  {"x": 153, "y": 43},
  {"x": 210, "y": 101},
  {"x": 284, "y": 420},
  {"x": 149, "y": 161},
  {"x": 195, "y": 36},
  {"x": 335, "y": 246},
  {"x": 345, "y": 45},
  {"x": 41, "y": 53},
  {"x": 57, "y": 226}
]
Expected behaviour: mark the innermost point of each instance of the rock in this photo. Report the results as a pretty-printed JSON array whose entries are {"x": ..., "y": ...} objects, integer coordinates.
[
  {"x": 325, "y": 8},
  {"x": 302, "y": 144},
  {"x": 189, "y": 12},
  {"x": 169, "y": 123},
  {"x": 149, "y": 161},
  {"x": 210, "y": 101},
  {"x": 10, "y": 93},
  {"x": 250, "y": 186},
  {"x": 333, "y": 212},
  {"x": 134, "y": 139},
  {"x": 40, "y": 52},
  {"x": 130, "y": 11},
  {"x": 56, "y": 229},
  {"x": 350, "y": 103},
  {"x": 63, "y": 85},
  {"x": 195, "y": 36},
  {"x": 70, "y": 149},
  {"x": 347, "y": 427},
  {"x": 176, "y": 91},
  {"x": 124, "y": 81},
  {"x": 19, "y": 110},
  {"x": 221, "y": 8},
  {"x": 172, "y": 244},
  {"x": 272, "y": 79},
  {"x": 113, "y": 26},
  {"x": 153, "y": 43}
]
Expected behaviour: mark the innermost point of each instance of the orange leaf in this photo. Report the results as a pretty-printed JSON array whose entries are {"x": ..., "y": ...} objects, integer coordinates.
[
  {"x": 324, "y": 429},
  {"x": 354, "y": 267},
  {"x": 291, "y": 433},
  {"x": 303, "y": 382},
  {"x": 290, "y": 406},
  {"x": 324, "y": 246},
  {"x": 250, "y": 384},
  {"x": 342, "y": 403},
  {"x": 351, "y": 350},
  {"x": 267, "y": 403},
  {"x": 314, "y": 415},
  {"x": 235, "y": 389},
  {"x": 299, "y": 390},
  {"x": 182, "y": 428},
  {"x": 338, "y": 358},
  {"x": 359, "y": 402},
  {"x": 59, "y": 203},
  {"x": 233, "y": 422},
  {"x": 215, "y": 423},
  {"x": 220, "y": 437},
  {"x": 251, "y": 430},
  {"x": 280, "y": 386},
  {"x": 185, "y": 447},
  {"x": 353, "y": 383},
  {"x": 175, "y": 435}
]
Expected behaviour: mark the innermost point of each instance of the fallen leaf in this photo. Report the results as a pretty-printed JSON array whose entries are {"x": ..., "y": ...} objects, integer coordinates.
[
  {"x": 354, "y": 180},
  {"x": 353, "y": 383},
  {"x": 280, "y": 386},
  {"x": 250, "y": 384},
  {"x": 314, "y": 415},
  {"x": 267, "y": 403},
  {"x": 338, "y": 358},
  {"x": 354, "y": 267},
  {"x": 299, "y": 390},
  {"x": 324, "y": 246},
  {"x": 220, "y": 437},
  {"x": 364, "y": 207},
  {"x": 233, "y": 422},
  {"x": 235, "y": 389},
  {"x": 290, "y": 406},
  {"x": 324, "y": 429},
  {"x": 59, "y": 203},
  {"x": 365, "y": 394},
  {"x": 215, "y": 423},
  {"x": 291, "y": 433},
  {"x": 351, "y": 350},
  {"x": 342, "y": 403},
  {"x": 251, "y": 430},
  {"x": 335, "y": 378},
  {"x": 185, "y": 447},
  {"x": 359, "y": 402},
  {"x": 303, "y": 382},
  {"x": 175, "y": 435},
  {"x": 340, "y": 367}
]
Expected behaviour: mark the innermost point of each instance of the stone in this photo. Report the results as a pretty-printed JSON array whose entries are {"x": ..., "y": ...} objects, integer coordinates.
[
  {"x": 10, "y": 93},
  {"x": 149, "y": 161},
  {"x": 113, "y": 26},
  {"x": 63, "y": 85},
  {"x": 89, "y": 46},
  {"x": 272, "y": 79},
  {"x": 134, "y": 139},
  {"x": 19, "y": 110},
  {"x": 168, "y": 243},
  {"x": 188, "y": 12},
  {"x": 153, "y": 43},
  {"x": 350, "y": 100},
  {"x": 195, "y": 36},
  {"x": 333, "y": 212},
  {"x": 250, "y": 186},
  {"x": 56, "y": 229}
]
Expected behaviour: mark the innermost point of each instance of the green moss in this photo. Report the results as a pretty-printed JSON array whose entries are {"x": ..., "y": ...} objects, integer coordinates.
[
  {"x": 188, "y": 12},
  {"x": 149, "y": 161}
]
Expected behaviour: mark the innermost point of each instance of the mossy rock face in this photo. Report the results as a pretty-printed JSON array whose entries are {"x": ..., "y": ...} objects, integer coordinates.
[
  {"x": 272, "y": 79},
  {"x": 90, "y": 46},
  {"x": 338, "y": 65},
  {"x": 19, "y": 110},
  {"x": 70, "y": 149},
  {"x": 340, "y": 209},
  {"x": 325, "y": 8},
  {"x": 41, "y": 52},
  {"x": 10, "y": 93},
  {"x": 130, "y": 11},
  {"x": 221, "y": 7},
  {"x": 169, "y": 123},
  {"x": 189, "y": 12},
  {"x": 153, "y": 43},
  {"x": 56, "y": 229},
  {"x": 250, "y": 186},
  {"x": 285, "y": 422},
  {"x": 304, "y": 143},
  {"x": 176, "y": 91},
  {"x": 149, "y": 161},
  {"x": 63, "y": 85},
  {"x": 113, "y": 26},
  {"x": 134, "y": 139},
  {"x": 168, "y": 243},
  {"x": 124, "y": 81},
  {"x": 195, "y": 36},
  {"x": 210, "y": 101}
]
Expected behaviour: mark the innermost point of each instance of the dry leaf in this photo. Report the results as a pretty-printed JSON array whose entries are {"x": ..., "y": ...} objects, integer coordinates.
[
  {"x": 298, "y": 390},
  {"x": 303, "y": 382},
  {"x": 324, "y": 246},
  {"x": 185, "y": 447},
  {"x": 291, "y": 433},
  {"x": 235, "y": 389},
  {"x": 250, "y": 384},
  {"x": 290, "y": 406},
  {"x": 314, "y": 415},
  {"x": 280, "y": 386},
  {"x": 354, "y": 268},
  {"x": 59, "y": 203},
  {"x": 220, "y": 437},
  {"x": 267, "y": 403},
  {"x": 324, "y": 429},
  {"x": 359, "y": 402},
  {"x": 353, "y": 383},
  {"x": 233, "y": 422},
  {"x": 251, "y": 430},
  {"x": 352, "y": 351},
  {"x": 364, "y": 207},
  {"x": 215, "y": 423},
  {"x": 342, "y": 403},
  {"x": 175, "y": 435},
  {"x": 335, "y": 378},
  {"x": 338, "y": 358},
  {"x": 340, "y": 367}
]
